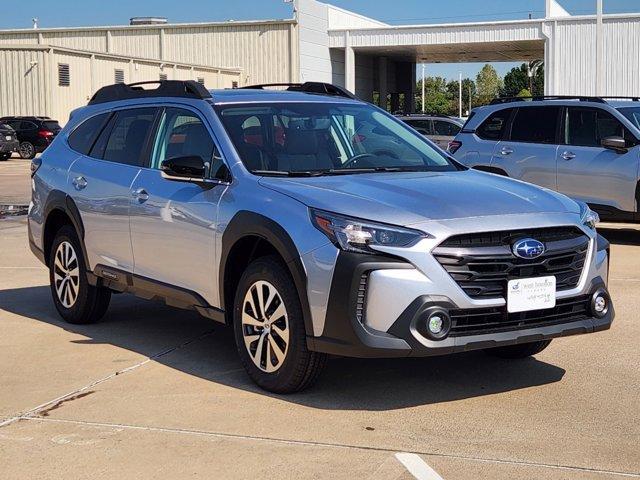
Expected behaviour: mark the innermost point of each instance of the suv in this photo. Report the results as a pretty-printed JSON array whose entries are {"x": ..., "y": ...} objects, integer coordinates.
[
  {"x": 585, "y": 147},
  {"x": 438, "y": 128},
  {"x": 262, "y": 210},
  {"x": 8, "y": 141},
  {"x": 34, "y": 133}
]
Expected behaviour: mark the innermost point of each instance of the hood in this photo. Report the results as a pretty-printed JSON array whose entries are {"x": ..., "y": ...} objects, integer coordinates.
[{"x": 410, "y": 198}]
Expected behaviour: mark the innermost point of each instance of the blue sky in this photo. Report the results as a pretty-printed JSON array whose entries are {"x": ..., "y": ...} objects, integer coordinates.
[{"x": 63, "y": 13}]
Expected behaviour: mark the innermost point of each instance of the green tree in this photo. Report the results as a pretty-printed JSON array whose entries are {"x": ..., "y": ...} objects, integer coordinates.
[
  {"x": 488, "y": 84},
  {"x": 524, "y": 93},
  {"x": 468, "y": 88},
  {"x": 517, "y": 79},
  {"x": 437, "y": 98}
]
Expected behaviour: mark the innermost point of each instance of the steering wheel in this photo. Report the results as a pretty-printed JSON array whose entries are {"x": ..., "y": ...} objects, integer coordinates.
[{"x": 349, "y": 163}]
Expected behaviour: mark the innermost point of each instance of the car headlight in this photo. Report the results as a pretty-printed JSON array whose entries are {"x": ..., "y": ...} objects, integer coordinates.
[
  {"x": 588, "y": 217},
  {"x": 353, "y": 235}
]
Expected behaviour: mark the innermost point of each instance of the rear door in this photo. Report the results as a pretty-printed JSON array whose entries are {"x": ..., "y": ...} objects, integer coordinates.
[
  {"x": 476, "y": 148},
  {"x": 529, "y": 151},
  {"x": 591, "y": 173},
  {"x": 173, "y": 223},
  {"x": 100, "y": 183}
]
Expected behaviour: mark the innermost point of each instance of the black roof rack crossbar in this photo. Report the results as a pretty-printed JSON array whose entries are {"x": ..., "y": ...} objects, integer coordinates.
[
  {"x": 166, "y": 88},
  {"x": 308, "y": 87},
  {"x": 538, "y": 98}
]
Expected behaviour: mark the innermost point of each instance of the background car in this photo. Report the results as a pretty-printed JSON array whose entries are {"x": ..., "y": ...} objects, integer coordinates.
[
  {"x": 438, "y": 128},
  {"x": 585, "y": 147},
  {"x": 34, "y": 134},
  {"x": 8, "y": 141}
]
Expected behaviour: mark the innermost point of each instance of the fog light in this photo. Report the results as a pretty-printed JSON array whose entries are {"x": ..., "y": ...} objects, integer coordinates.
[
  {"x": 600, "y": 303},
  {"x": 435, "y": 323}
]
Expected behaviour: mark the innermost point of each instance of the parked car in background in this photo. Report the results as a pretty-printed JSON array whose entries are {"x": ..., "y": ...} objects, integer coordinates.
[
  {"x": 585, "y": 147},
  {"x": 34, "y": 134},
  {"x": 8, "y": 141},
  {"x": 440, "y": 129},
  {"x": 260, "y": 210}
]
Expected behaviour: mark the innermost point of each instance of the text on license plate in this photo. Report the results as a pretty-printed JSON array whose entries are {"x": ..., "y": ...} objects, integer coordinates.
[{"x": 525, "y": 294}]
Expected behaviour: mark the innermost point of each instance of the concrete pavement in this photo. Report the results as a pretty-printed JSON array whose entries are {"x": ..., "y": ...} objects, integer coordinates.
[
  {"x": 155, "y": 392},
  {"x": 15, "y": 182}
]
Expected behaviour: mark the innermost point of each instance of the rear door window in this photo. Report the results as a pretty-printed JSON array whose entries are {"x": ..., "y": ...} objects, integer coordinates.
[
  {"x": 535, "y": 125},
  {"x": 84, "y": 136},
  {"x": 128, "y": 135},
  {"x": 494, "y": 127}
]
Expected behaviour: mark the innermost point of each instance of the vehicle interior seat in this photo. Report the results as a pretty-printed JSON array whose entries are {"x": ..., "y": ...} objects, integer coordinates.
[{"x": 302, "y": 151}]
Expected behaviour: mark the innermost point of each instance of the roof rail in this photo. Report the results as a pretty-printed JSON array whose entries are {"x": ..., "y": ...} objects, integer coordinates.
[
  {"x": 500, "y": 100},
  {"x": 400, "y": 113},
  {"x": 633, "y": 99},
  {"x": 166, "y": 88},
  {"x": 308, "y": 87}
]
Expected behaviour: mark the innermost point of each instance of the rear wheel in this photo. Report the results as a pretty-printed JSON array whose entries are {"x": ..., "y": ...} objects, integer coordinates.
[
  {"x": 270, "y": 332},
  {"x": 519, "y": 351},
  {"x": 27, "y": 150},
  {"x": 76, "y": 301}
]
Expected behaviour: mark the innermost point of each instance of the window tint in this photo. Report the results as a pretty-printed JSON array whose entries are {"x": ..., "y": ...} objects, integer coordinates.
[
  {"x": 535, "y": 125},
  {"x": 181, "y": 134},
  {"x": 442, "y": 127},
  {"x": 493, "y": 127},
  {"x": 632, "y": 113},
  {"x": 52, "y": 125},
  {"x": 83, "y": 137},
  {"x": 126, "y": 138},
  {"x": 24, "y": 125},
  {"x": 423, "y": 126},
  {"x": 587, "y": 127}
]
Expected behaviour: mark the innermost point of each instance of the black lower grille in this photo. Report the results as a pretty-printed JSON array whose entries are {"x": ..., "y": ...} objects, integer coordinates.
[
  {"x": 362, "y": 297},
  {"x": 482, "y": 264},
  {"x": 478, "y": 321}
]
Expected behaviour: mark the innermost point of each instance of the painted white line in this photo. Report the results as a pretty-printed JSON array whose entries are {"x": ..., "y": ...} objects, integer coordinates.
[{"x": 417, "y": 466}]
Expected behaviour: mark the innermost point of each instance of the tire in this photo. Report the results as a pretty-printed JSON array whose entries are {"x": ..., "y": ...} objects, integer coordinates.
[
  {"x": 77, "y": 302},
  {"x": 523, "y": 350},
  {"x": 266, "y": 328},
  {"x": 4, "y": 156},
  {"x": 27, "y": 150}
]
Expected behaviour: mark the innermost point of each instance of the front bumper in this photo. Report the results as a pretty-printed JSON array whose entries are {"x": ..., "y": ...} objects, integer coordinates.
[{"x": 376, "y": 304}]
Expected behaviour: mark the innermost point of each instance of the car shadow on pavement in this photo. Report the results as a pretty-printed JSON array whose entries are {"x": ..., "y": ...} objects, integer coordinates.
[
  {"x": 621, "y": 236},
  {"x": 208, "y": 351}
]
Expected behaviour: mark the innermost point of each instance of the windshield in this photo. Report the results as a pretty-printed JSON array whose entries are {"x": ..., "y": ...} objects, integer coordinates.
[
  {"x": 633, "y": 114},
  {"x": 317, "y": 139}
]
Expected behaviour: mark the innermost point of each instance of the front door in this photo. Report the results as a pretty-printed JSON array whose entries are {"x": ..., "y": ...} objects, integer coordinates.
[
  {"x": 173, "y": 223},
  {"x": 591, "y": 173},
  {"x": 100, "y": 184}
]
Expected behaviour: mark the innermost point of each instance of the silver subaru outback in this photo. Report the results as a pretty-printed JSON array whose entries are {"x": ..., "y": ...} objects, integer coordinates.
[{"x": 272, "y": 212}]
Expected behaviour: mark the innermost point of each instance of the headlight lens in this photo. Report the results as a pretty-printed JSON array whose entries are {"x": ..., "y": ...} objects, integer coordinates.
[
  {"x": 353, "y": 235},
  {"x": 589, "y": 217}
]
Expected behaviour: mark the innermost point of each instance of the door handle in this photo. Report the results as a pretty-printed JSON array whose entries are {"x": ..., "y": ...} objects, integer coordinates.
[
  {"x": 506, "y": 151},
  {"x": 568, "y": 155},
  {"x": 79, "y": 182},
  {"x": 140, "y": 194}
]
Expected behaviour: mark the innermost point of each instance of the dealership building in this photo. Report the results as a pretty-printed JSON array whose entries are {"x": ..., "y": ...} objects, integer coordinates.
[{"x": 50, "y": 71}]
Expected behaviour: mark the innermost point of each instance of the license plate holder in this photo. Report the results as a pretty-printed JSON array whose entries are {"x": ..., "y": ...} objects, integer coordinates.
[{"x": 526, "y": 294}]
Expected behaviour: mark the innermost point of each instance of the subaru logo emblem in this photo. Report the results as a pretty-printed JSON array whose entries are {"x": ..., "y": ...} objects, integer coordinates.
[{"x": 528, "y": 248}]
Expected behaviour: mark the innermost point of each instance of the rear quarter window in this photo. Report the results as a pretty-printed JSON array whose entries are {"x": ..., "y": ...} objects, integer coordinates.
[
  {"x": 84, "y": 136},
  {"x": 493, "y": 128}
]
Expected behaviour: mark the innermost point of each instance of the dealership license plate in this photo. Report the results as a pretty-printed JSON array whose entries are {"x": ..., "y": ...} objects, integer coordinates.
[{"x": 527, "y": 294}]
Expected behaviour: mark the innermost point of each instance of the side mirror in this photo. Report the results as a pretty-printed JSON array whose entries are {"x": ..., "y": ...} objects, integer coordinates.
[
  {"x": 191, "y": 168},
  {"x": 617, "y": 144}
]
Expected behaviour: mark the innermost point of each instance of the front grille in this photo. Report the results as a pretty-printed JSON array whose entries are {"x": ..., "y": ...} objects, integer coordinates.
[
  {"x": 483, "y": 263},
  {"x": 478, "y": 321}
]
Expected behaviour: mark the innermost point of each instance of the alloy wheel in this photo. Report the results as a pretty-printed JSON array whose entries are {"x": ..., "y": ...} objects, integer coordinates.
[
  {"x": 66, "y": 274},
  {"x": 26, "y": 150},
  {"x": 265, "y": 326}
]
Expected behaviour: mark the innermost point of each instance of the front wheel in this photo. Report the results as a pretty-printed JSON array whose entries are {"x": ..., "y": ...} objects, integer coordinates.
[
  {"x": 522, "y": 350},
  {"x": 76, "y": 301},
  {"x": 270, "y": 332}
]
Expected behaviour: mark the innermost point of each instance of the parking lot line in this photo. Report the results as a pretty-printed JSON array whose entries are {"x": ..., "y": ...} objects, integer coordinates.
[{"x": 417, "y": 466}]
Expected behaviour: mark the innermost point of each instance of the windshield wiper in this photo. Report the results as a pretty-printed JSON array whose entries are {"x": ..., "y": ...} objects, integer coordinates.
[{"x": 284, "y": 173}]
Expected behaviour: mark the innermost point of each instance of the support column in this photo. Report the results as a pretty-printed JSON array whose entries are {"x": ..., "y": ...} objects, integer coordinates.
[
  {"x": 349, "y": 65},
  {"x": 383, "y": 78},
  {"x": 395, "y": 102}
]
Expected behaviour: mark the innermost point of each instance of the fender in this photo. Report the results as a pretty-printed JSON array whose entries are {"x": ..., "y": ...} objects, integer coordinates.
[{"x": 245, "y": 224}]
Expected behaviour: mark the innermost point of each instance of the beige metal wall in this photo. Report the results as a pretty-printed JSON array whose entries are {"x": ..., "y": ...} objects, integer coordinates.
[
  {"x": 32, "y": 89},
  {"x": 264, "y": 51}
]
